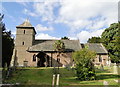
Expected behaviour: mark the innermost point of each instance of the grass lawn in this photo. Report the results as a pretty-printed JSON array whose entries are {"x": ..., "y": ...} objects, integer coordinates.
[{"x": 43, "y": 76}]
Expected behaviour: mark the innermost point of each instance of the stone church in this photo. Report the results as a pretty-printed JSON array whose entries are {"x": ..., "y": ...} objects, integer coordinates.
[{"x": 33, "y": 52}]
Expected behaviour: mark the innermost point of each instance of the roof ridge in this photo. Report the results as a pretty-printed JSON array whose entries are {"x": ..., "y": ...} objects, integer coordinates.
[
  {"x": 54, "y": 39},
  {"x": 104, "y": 48}
]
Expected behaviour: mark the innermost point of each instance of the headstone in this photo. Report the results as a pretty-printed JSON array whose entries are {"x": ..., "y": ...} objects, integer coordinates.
[
  {"x": 101, "y": 67},
  {"x": 105, "y": 83},
  {"x": 25, "y": 63},
  {"x": 119, "y": 73},
  {"x": 115, "y": 70}
]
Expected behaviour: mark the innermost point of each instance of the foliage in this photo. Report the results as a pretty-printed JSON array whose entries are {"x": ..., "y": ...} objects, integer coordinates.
[
  {"x": 94, "y": 40},
  {"x": 65, "y": 38},
  {"x": 2, "y": 25},
  {"x": 111, "y": 41},
  {"x": 7, "y": 44},
  {"x": 59, "y": 46},
  {"x": 84, "y": 65}
]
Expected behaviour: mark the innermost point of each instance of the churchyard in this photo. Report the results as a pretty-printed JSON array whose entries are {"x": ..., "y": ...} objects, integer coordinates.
[{"x": 31, "y": 76}]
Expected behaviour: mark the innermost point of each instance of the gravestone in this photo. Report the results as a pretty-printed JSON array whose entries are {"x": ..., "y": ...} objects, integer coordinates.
[
  {"x": 119, "y": 73},
  {"x": 101, "y": 67},
  {"x": 25, "y": 63},
  {"x": 115, "y": 69}
]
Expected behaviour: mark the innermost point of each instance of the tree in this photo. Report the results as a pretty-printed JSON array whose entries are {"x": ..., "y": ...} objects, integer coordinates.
[
  {"x": 111, "y": 40},
  {"x": 65, "y": 38},
  {"x": 59, "y": 46},
  {"x": 94, "y": 40},
  {"x": 2, "y": 25},
  {"x": 84, "y": 64},
  {"x": 7, "y": 44}
]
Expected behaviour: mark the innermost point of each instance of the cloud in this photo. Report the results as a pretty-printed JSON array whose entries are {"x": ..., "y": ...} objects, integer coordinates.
[
  {"x": 53, "y": 0},
  {"x": 45, "y": 36},
  {"x": 45, "y": 10},
  {"x": 27, "y": 12},
  {"x": 90, "y": 15},
  {"x": 77, "y": 14},
  {"x": 85, "y": 35},
  {"x": 40, "y": 27},
  {"x": 30, "y": 0}
]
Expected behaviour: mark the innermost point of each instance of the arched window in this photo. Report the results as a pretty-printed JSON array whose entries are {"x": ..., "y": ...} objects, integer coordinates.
[
  {"x": 23, "y": 43},
  {"x": 34, "y": 57},
  {"x": 24, "y": 31}
]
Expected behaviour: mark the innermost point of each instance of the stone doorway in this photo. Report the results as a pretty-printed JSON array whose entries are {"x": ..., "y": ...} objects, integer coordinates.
[{"x": 43, "y": 59}]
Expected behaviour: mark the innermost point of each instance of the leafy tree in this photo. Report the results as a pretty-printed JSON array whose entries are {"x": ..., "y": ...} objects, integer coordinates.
[
  {"x": 111, "y": 40},
  {"x": 84, "y": 65},
  {"x": 7, "y": 44},
  {"x": 94, "y": 40},
  {"x": 65, "y": 38},
  {"x": 2, "y": 25},
  {"x": 59, "y": 46}
]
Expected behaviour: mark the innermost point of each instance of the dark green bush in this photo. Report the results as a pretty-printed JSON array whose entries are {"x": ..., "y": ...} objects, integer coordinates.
[{"x": 84, "y": 66}]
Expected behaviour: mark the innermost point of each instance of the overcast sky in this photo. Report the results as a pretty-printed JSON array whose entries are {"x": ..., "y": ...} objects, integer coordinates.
[{"x": 53, "y": 19}]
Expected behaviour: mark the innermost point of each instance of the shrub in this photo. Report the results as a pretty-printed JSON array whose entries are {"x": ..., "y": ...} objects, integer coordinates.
[{"x": 83, "y": 63}]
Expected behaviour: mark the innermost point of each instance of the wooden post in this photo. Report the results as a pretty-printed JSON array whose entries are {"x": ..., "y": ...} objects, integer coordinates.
[
  {"x": 57, "y": 81},
  {"x": 53, "y": 81}
]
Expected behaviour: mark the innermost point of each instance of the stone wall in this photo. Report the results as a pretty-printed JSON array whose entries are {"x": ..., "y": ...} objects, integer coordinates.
[
  {"x": 104, "y": 60},
  {"x": 24, "y": 39},
  {"x": 65, "y": 59},
  {"x": 27, "y": 37}
]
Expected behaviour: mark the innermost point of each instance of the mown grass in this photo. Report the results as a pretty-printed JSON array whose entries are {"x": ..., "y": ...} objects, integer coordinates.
[
  {"x": 43, "y": 76},
  {"x": 31, "y": 76}
]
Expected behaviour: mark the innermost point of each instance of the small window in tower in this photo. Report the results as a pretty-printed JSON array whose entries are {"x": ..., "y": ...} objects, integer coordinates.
[
  {"x": 24, "y": 31},
  {"x": 34, "y": 57},
  {"x": 23, "y": 43}
]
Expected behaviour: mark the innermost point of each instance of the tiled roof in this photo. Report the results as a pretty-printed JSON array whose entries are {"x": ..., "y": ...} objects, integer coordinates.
[
  {"x": 47, "y": 45},
  {"x": 26, "y": 23},
  {"x": 97, "y": 47}
]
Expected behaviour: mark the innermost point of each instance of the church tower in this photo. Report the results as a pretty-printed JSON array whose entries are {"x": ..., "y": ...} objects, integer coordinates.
[{"x": 25, "y": 37}]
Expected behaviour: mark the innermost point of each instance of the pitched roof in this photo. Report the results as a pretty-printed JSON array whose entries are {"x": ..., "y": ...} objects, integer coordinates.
[
  {"x": 26, "y": 23},
  {"x": 47, "y": 45},
  {"x": 97, "y": 47}
]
